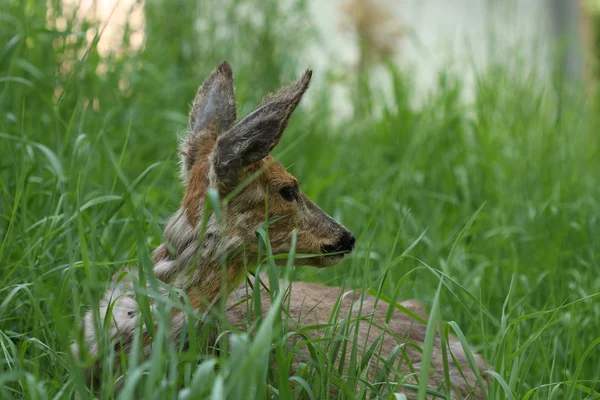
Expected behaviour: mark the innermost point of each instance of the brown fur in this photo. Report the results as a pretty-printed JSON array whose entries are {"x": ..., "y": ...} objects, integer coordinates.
[
  {"x": 312, "y": 304},
  {"x": 220, "y": 155},
  {"x": 198, "y": 182}
]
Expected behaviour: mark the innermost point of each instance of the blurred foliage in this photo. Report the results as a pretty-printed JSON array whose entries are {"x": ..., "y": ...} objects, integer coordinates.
[{"x": 500, "y": 195}]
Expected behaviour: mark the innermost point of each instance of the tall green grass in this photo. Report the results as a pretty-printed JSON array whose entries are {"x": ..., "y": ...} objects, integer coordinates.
[{"x": 499, "y": 197}]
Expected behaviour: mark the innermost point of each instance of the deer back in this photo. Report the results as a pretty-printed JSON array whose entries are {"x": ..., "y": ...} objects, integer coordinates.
[{"x": 316, "y": 305}]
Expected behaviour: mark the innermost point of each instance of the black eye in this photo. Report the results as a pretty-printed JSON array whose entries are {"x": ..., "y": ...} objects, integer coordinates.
[{"x": 290, "y": 193}]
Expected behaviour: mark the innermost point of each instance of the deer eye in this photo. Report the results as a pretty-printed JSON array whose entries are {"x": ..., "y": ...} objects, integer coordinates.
[{"x": 289, "y": 193}]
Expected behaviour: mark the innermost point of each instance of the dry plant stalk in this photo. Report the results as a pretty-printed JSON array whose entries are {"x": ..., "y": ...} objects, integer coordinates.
[
  {"x": 589, "y": 14},
  {"x": 376, "y": 28}
]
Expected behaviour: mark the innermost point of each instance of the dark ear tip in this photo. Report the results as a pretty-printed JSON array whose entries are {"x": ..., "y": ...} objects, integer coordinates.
[
  {"x": 306, "y": 76},
  {"x": 225, "y": 68}
]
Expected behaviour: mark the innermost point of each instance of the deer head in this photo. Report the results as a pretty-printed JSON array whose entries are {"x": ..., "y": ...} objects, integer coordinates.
[{"x": 222, "y": 155}]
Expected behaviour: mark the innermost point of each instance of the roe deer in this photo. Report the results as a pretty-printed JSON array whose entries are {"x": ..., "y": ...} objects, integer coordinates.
[{"x": 220, "y": 154}]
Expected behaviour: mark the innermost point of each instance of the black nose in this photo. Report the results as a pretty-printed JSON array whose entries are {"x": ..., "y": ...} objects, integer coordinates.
[
  {"x": 344, "y": 244},
  {"x": 347, "y": 241}
]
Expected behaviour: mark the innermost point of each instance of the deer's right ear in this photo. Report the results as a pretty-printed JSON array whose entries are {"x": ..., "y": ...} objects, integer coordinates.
[
  {"x": 253, "y": 138},
  {"x": 213, "y": 112}
]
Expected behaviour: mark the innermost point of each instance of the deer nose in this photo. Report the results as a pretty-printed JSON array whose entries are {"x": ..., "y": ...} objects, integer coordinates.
[
  {"x": 347, "y": 241},
  {"x": 344, "y": 244}
]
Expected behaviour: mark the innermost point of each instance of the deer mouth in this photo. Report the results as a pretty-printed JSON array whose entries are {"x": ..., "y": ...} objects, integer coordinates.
[
  {"x": 329, "y": 254},
  {"x": 335, "y": 252},
  {"x": 321, "y": 260}
]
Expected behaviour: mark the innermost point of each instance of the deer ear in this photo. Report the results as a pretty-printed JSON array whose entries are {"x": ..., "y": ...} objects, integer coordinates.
[
  {"x": 213, "y": 112},
  {"x": 215, "y": 101},
  {"x": 253, "y": 138}
]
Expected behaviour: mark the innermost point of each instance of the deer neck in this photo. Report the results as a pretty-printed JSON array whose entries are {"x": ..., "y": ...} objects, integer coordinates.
[{"x": 205, "y": 267}]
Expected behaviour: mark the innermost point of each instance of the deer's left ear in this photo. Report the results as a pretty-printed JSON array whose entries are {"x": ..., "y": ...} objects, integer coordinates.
[{"x": 253, "y": 138}]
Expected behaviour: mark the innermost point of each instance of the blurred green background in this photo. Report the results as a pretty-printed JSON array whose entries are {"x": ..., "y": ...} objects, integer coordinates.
[{"x": 500, "y": 193}]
